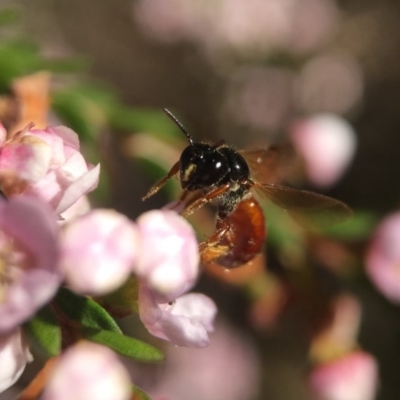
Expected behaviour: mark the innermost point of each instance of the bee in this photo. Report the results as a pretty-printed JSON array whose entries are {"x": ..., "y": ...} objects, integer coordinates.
[{"x": 218, "y": 173}]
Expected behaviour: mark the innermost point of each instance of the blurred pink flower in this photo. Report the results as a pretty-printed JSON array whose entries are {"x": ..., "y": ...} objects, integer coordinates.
[
  {"x": 88, "y": 371},
  {"x": 29, "y": 259},
  {"x": 48, "y": 164},
  {"x": 383, "y": 258},
  {"x": 327, "y": 144},
  {"x": 14, "y": 355},
  {"x": 168, "y": 262},
  {"x": 341, "y": 329},
  {"x": 314, "y": 22},
  {"x": 229, "y": 368},
  {"x": 98, "y": 251},
  {"x": 352, "y": 377},
  {"x": 3, "y": 134},
  {"x": 263, "y": 96},
  {"x": 252, "y": 26},
  {"x": 329, "y": 83},
  {"x": 185, "y": 321}
]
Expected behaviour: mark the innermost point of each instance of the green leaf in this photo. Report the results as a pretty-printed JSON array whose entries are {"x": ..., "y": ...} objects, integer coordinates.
[
  {"x": 80, "y": 111},
  {"x": 145, "y": 120},
  {"x": 356, "y": 228},
  {"x": 85, "y": 310},
  {"x": 44, "y": 333},
  {"x": 17, "y": 58},
  {"x": 139, "y": 394},
  {"x": 9, "y": 16},
  {"x": 124, "y": 345},
  {"x": 124, "y": 300},
  {"x": 282, "y": 230},
  {"x": 67, "y": 65}
]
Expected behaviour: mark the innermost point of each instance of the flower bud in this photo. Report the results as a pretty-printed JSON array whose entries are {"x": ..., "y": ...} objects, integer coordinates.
[
  {"x": 88, "y": 371},
  {"x": 98, "y": 250},
  {"x": 327, "y": 144},
  {"x": 383, "y": 258},
  {"x": 169, "y": 258},
  {"x": 352, "y": 377}
]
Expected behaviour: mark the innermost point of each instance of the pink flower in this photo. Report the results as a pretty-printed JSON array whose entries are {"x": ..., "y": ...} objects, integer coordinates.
[
  {"x": 352, "y": 377},
  {"x": 330, "y": 82},
  {"x": 184, "y": 322},
  {"x": 14, "y": 355},
  {"x": 29, "y": 259},
  {"x": 254, "y": 26},
  {"x": 88, "y": 371},
  {"x": 98, "y": 251},
  {"x": 3, "y": 134},
  {"x": 169, "y": 258},
  {"x": 48, "y": 164},
  {"x": 327, "y": 143},
  {"x": 340, "y": 332},
  {"x": 383, "y": 258},
  {"x": 229, "y": 368}
]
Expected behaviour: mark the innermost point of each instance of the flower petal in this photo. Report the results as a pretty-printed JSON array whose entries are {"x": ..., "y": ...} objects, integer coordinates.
[
  {"x": 79, "y": 188},
  {"x": 14, "y": 355},
  {"x": 32, "y": 225},
  {"x": 185, "y": 322}
]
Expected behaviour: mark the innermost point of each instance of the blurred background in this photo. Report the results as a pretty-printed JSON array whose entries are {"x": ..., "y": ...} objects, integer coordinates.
[{"x": 318, "y": 74}]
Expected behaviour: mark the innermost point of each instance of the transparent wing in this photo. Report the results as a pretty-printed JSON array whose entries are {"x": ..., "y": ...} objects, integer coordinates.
[
  {"x": 308, "y": 208},
  {"x": 269, "y": 164}
]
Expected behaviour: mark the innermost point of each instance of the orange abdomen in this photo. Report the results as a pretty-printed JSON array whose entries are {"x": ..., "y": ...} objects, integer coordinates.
[{"x": 243, "y": 240}]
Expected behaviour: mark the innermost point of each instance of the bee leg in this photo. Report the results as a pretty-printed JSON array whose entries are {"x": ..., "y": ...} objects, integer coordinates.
[
  {"x": 205, "y": 199},
  {"x": 216, "y": 237},
  {"x": 153, "y": 190},
  {"x": 180, "y": 204}
]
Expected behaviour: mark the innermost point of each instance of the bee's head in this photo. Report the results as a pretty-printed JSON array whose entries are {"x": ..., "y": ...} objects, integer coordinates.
[{"x": 201, "y": 166}]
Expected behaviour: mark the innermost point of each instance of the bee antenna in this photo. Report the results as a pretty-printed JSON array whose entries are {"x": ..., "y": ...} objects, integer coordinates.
[{"x": 180, "y": 125}]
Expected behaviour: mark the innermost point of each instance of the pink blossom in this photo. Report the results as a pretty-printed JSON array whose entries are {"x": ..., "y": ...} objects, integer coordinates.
[
  {"x": 29, "y": 259},
  {"x": 330, "y": 83},
  {"x": 253, "y": 26},
  {"x": 98, "y": 250},
  {"x": 169, "y": 258},
  {"x": 88, "y": 371},
  {"x": 352, "y": 377},
  {"x": 48, "y": 164},
  {"x": 383, "y": 258},
  {"x": 263, "y": 96},
  {"x": 185, "y": 321},
  {"x": 340, "y": 331},
  {"x": 14, "y": 355},
  {"x": 229, "y": 368},
  {"x": 327, "y": 143},
  {"x": 3, "y": 134}
]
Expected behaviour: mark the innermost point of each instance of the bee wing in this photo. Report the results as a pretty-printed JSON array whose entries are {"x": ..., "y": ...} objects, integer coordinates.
[
  {"x": 307, "y": 208},
  {"x": 268, "y": 164}
]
